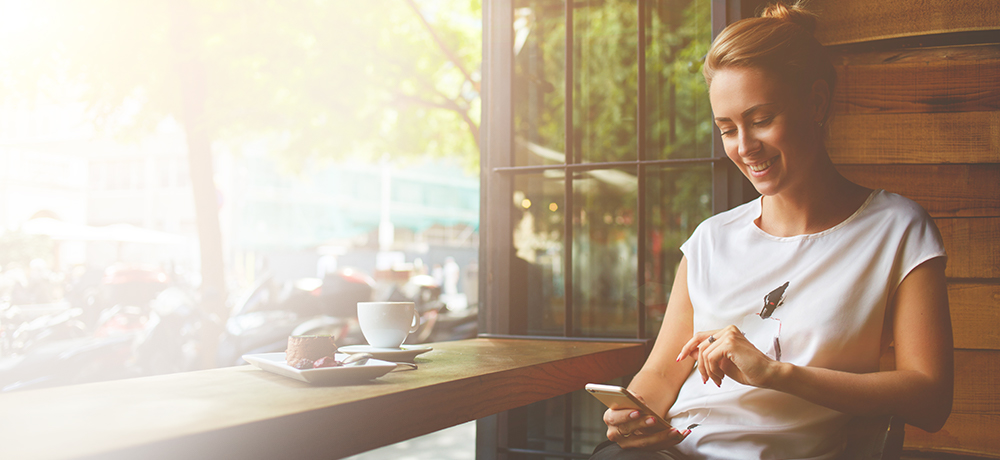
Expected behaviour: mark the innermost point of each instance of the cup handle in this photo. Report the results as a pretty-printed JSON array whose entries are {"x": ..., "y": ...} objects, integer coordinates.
[{"x": 415, "y": 324}]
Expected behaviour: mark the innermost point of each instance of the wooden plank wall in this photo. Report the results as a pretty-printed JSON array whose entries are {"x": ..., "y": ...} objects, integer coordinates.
[{"x": 917, "y": 112}]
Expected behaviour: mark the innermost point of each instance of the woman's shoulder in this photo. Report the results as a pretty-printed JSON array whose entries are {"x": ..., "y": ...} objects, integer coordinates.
[
  {"x": 741, "y": 214},
  {"x": 899, "y": 218},
  {"x": 897, "y": 207},
  {"x": 725, "y": 220}
]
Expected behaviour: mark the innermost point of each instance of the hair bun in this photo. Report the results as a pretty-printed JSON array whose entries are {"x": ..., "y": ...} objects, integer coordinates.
[{"x": 794, "y": 13}]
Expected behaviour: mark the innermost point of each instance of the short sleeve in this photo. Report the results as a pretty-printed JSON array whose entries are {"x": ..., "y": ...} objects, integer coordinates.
[{"x": 920, "y": 242}]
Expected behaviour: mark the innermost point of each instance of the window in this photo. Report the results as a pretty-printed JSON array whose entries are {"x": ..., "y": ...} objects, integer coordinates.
[{"x": 599, "y": 159}]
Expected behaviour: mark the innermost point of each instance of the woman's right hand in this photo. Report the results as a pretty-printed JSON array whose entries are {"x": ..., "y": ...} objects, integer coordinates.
[{"x": 631, "y": 430}]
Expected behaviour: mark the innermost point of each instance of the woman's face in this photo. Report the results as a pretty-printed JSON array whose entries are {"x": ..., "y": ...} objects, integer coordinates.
[{"x": 768, "y": 132}]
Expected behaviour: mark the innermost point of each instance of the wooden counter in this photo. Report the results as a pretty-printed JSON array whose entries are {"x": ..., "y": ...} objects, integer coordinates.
[{"x": 246, "y": 413}]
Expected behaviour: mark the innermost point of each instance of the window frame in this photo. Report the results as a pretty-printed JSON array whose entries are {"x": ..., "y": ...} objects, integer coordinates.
[
  {"x": 501, "y": 434},
  {"x": 497, "y": 169}
]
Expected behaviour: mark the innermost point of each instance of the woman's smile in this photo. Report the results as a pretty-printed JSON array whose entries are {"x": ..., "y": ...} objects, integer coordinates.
[
  {"x": 759, "y": 168},
  {"x": 766, "y": 130}
]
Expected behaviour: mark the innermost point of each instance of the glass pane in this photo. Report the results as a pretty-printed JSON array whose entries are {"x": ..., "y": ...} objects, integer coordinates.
[
  {"x": 537, "y": 264},
  {"x": 605, "y": 66},
  {"x": 539, "y": 82},
  {"x": 547, "y": 423},
  {"x": 679, "y": 118},
  {"x": 677, "y": 200},
  {"x": 605, "y": 231}
]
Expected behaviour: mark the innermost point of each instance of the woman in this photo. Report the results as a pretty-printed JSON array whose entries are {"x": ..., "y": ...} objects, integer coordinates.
[{"x": 782, "y": 306}]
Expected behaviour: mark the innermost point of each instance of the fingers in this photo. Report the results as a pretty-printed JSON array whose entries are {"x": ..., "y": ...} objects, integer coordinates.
[
  {"x": 712, "y": 358},
  {"x": 653, "y": 441},
  {"x": 712, "y": 350},
  {"x": 718, "y": 355},
  {"x": 631, "y": 430},
  {"x": 692, "y": 346},
  {"x": 620, "y": 416},
  {"x": 623, "y": 423}
]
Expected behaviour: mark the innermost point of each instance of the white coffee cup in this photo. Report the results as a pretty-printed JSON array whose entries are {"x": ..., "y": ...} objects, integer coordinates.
[{"x": 386, "y": 324}]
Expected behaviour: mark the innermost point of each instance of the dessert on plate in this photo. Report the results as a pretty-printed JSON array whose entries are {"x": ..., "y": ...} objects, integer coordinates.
[{"x": 311, "y": 351}]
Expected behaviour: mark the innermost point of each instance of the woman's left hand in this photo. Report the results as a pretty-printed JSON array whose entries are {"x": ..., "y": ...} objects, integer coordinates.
[{"x": 726, "y": 352}]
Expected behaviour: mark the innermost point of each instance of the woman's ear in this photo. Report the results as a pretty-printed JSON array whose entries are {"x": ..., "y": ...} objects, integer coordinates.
[{"x": 819, "y": 101}]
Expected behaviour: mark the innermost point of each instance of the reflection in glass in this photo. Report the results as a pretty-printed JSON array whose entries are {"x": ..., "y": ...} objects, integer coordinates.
[
  {"x": 605, "y": 69},
  {"x": 677, "y": 200},
  {"x": 605, "y": 231},
  {"x": 539, "y": 82},
  {"x": 606, "y": 290},
  {"x": 537, "y": 263},
  {"x": 547, "y": 422},
  {"x": 679, "y": 118}
]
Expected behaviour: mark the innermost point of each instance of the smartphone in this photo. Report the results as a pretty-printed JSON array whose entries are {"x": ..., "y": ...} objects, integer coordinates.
[{"x": 616, "y": 397}]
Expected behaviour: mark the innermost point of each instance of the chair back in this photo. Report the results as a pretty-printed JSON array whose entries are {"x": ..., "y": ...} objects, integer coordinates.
[{"x": 874, "y": 438}]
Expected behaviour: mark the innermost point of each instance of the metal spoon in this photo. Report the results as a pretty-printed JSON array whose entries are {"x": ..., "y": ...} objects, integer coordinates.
[
  {"x": 357, "y": 359},
  {"x": 405, "y": 367}
]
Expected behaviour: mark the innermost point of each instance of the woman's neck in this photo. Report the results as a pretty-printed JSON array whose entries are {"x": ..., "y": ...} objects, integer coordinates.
[{"x": 824, "y": 201}]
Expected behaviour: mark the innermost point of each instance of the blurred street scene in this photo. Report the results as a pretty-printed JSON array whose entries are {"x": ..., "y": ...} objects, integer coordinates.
[{"x": 182, "y": 183}]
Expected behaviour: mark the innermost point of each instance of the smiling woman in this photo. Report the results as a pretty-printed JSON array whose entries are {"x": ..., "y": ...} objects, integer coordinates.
[
  {"x": 775, "y": 137},
  {"x": 853, "y": 270}
]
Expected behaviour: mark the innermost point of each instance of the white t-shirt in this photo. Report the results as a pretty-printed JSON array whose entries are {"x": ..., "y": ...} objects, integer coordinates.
[{"x": 839, "y": 285}]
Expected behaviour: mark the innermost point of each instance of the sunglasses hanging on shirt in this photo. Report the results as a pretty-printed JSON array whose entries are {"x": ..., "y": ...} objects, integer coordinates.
[{"x": 762, "y": 329}]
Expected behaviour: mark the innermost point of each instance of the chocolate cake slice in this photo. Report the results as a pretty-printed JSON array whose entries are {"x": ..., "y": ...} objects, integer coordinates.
[{"x": 309, "y": 348}]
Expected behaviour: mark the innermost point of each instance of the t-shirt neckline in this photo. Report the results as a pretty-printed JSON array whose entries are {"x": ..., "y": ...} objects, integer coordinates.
[{"x": 760, "y": 209}]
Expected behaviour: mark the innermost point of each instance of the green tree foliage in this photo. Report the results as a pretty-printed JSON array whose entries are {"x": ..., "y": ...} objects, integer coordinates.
[
  {"x": 605, "y": 70},
  {"x": 605, "y": 96},
  {"x": 336, "y": 78},
  {"x": 327, "y": 78}
]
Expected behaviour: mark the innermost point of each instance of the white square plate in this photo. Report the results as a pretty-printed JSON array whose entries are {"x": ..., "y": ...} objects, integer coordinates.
[
  {"x": 275, "y": 362},
  {"x": 403, "y": 354}
]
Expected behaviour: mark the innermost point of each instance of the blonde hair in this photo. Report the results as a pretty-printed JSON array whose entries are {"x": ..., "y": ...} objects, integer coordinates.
[{"x": 781, "y": 41}]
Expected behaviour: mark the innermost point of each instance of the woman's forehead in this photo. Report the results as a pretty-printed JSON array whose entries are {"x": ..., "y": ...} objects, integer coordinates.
[{"x": 737, "y": 90}]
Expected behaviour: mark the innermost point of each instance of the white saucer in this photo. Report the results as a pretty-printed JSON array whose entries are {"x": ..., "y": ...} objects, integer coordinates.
[
  {"x": 275, "y": 362},
  {"x": 404, "y": 354}
]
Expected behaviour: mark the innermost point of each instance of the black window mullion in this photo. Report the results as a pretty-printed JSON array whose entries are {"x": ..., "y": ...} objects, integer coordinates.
[
  {"x": 641, "y": 172},
  {"x": 568, "y": 205},
  {"x": 609, "y": 165}
]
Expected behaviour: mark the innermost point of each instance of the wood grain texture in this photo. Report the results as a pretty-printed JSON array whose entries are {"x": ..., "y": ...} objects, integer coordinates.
[
  {"x": 973, "y": 247},
  {"x": 975, "y": 312},
  {"x": 915, "y": 138},
  {"x": 851, "y": 56},
  {"x": 977, "y": 382},
  {"x": 943, "y": 190},
  {"x": 852, "y": 21},
  {"x": 975, "y": 315},
  {"x": 969, "y": 434},
  {"x": 912, "y": 86},
  {"x": 243, "y": 412}
]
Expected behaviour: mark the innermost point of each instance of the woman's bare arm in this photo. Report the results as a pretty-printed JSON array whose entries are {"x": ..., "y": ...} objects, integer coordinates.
[
  {"x": 661, "y": 377},
  {"x": 919, "y": 390}
]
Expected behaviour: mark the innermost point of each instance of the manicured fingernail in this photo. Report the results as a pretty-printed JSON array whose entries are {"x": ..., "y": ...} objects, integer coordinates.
[
  {"x": 687, "y": 432},
  {"x": 650, "y": 421},
  {"x": 633, "y": 414},
  {"x": 718, "y": 384}
]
